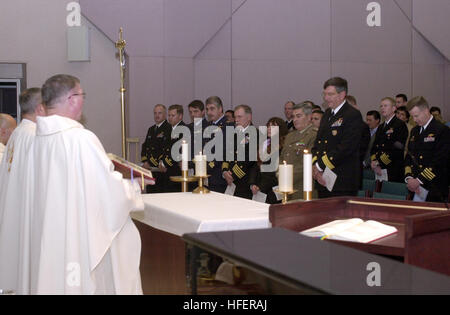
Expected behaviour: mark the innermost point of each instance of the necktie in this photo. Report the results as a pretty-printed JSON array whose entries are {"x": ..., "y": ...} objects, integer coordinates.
[
  {"x": 421, "y": 129},
  {"x": 332, "y": 115}
]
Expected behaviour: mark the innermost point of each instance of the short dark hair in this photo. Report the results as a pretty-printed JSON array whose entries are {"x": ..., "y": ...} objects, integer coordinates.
[
  {"x": 405, "y": 98},
  {"x": 230, "y": 111},
  {"x": 310, "y": 103},
  {"x": 374, "y": 113},
  {"x": 418, "y": 101},
  {"x": 318, "y": 111},
  {"x": 403, "y": 109},
  {"x": 197, "y": 104},
  {"x": 178, "y": 108},
  {"x": 29, "y": 99},
  {"x": 435, "y": 109},
  {"x": 214, "y": 100},
  {"x": 56, "y": 87},
  {"x": 277, "y": 121},
  {"x": 339, "y": 83}
]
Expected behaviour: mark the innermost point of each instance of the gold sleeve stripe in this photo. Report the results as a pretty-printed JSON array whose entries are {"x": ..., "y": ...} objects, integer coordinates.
[
  {"x": 373, "y": 157},
  {"x": 152, "y": 159},
  {"x": 168, "y": 161},
  {"x": 143, "y": 158},
  {"x": 429, "y": 170},
  {"x": 425, "y": 176},
  {"x": 327, "y": 162},
  {"x": 429, "y": 173},
  {"x": 385, "y": 159},
  {"x": 225, "y": 165},
  {"x": 314, "y": 159},
  {"x": 237, "y": 170}
]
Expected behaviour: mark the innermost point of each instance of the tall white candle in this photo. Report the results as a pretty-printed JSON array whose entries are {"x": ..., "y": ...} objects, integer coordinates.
[
  {"x": 184, "y": 156},
  {"x": 200, "y": 165},
  {"x": 286, "y": 177},
  {"x": 307, "y": 171}
]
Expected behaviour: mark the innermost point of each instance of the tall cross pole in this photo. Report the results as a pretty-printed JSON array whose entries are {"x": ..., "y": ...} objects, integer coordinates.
[{"x": 120, "y": 45}]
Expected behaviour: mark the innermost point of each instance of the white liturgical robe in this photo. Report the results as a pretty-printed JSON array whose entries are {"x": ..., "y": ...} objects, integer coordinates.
[
  {"x": 83, "y": 240},
  {"x": 14, "y": 221},
  {"x": 2, "y": 150}
]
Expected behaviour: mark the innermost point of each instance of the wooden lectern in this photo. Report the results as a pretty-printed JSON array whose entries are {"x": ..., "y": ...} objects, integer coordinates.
[{"x": 423, "y": 237}]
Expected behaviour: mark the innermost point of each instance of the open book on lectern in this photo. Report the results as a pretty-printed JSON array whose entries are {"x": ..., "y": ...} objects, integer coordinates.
[
  {"x": 351, "y": 230},
  {"x": 131, "y": 170}
]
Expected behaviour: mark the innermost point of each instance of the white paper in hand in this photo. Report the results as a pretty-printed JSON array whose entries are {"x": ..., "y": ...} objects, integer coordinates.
[
  {"x": 330, "y": 178},
  {"x": 383, "y": 176},
  {"x": 230, "y": 189},
  {"x": 421, "y": 196},
  {"x": 260, "y": 197},
  {"x": 277, "y": 194}
]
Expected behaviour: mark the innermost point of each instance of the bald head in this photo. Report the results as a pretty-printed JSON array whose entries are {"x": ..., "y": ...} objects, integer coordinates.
[{"x": 7, "y": 125}]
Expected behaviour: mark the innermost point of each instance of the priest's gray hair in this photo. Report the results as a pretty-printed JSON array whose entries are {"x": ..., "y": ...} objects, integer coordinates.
[
  {"x": 57, "y": 87},
  {"x": 29, "y": 99},
  {"x": 305, "y": 106}
]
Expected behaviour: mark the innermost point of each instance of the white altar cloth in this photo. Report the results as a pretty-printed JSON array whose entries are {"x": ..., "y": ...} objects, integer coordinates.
[{"x": 180, "y": 213}]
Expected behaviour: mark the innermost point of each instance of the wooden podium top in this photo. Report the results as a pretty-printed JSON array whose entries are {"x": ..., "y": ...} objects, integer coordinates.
[{"x": 423, "y": 237}]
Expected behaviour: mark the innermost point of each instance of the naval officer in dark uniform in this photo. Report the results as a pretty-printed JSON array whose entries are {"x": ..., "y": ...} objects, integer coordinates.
[
  {"x": 337, "y": 143},
  {"x": 152, "y": 151},
  {"x": 217, "y": 123},
  {"x": 238, "y": 170},
  {"x": 168, "y": 166},
  {"x": 426, "y": 163},
  {"x": 196, "y": 127},
  {"x": 390, "y": 140}
]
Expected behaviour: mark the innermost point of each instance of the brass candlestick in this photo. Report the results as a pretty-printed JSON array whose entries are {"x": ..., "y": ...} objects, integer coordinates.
[
  {"x": 307, "y": 195},
  {"x": 184, "y": 179},
  {"x": 201, "y": 189},
  {"x": 285, "y": 194}
]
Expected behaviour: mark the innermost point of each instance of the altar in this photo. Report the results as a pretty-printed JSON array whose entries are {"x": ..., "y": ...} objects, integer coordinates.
[{"x": 168, "y": 216}]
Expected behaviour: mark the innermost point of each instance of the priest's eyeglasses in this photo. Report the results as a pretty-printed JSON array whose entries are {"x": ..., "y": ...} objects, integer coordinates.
[{"x": 79, "y": 94}]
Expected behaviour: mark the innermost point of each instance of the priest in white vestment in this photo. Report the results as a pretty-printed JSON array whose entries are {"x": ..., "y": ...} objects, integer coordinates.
[
  {"x": 2, "y": 151},
  {"x": 83, "y": 239},
  {"x": 14, "y": 221},
  {"x": 7, "y": 125}
]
